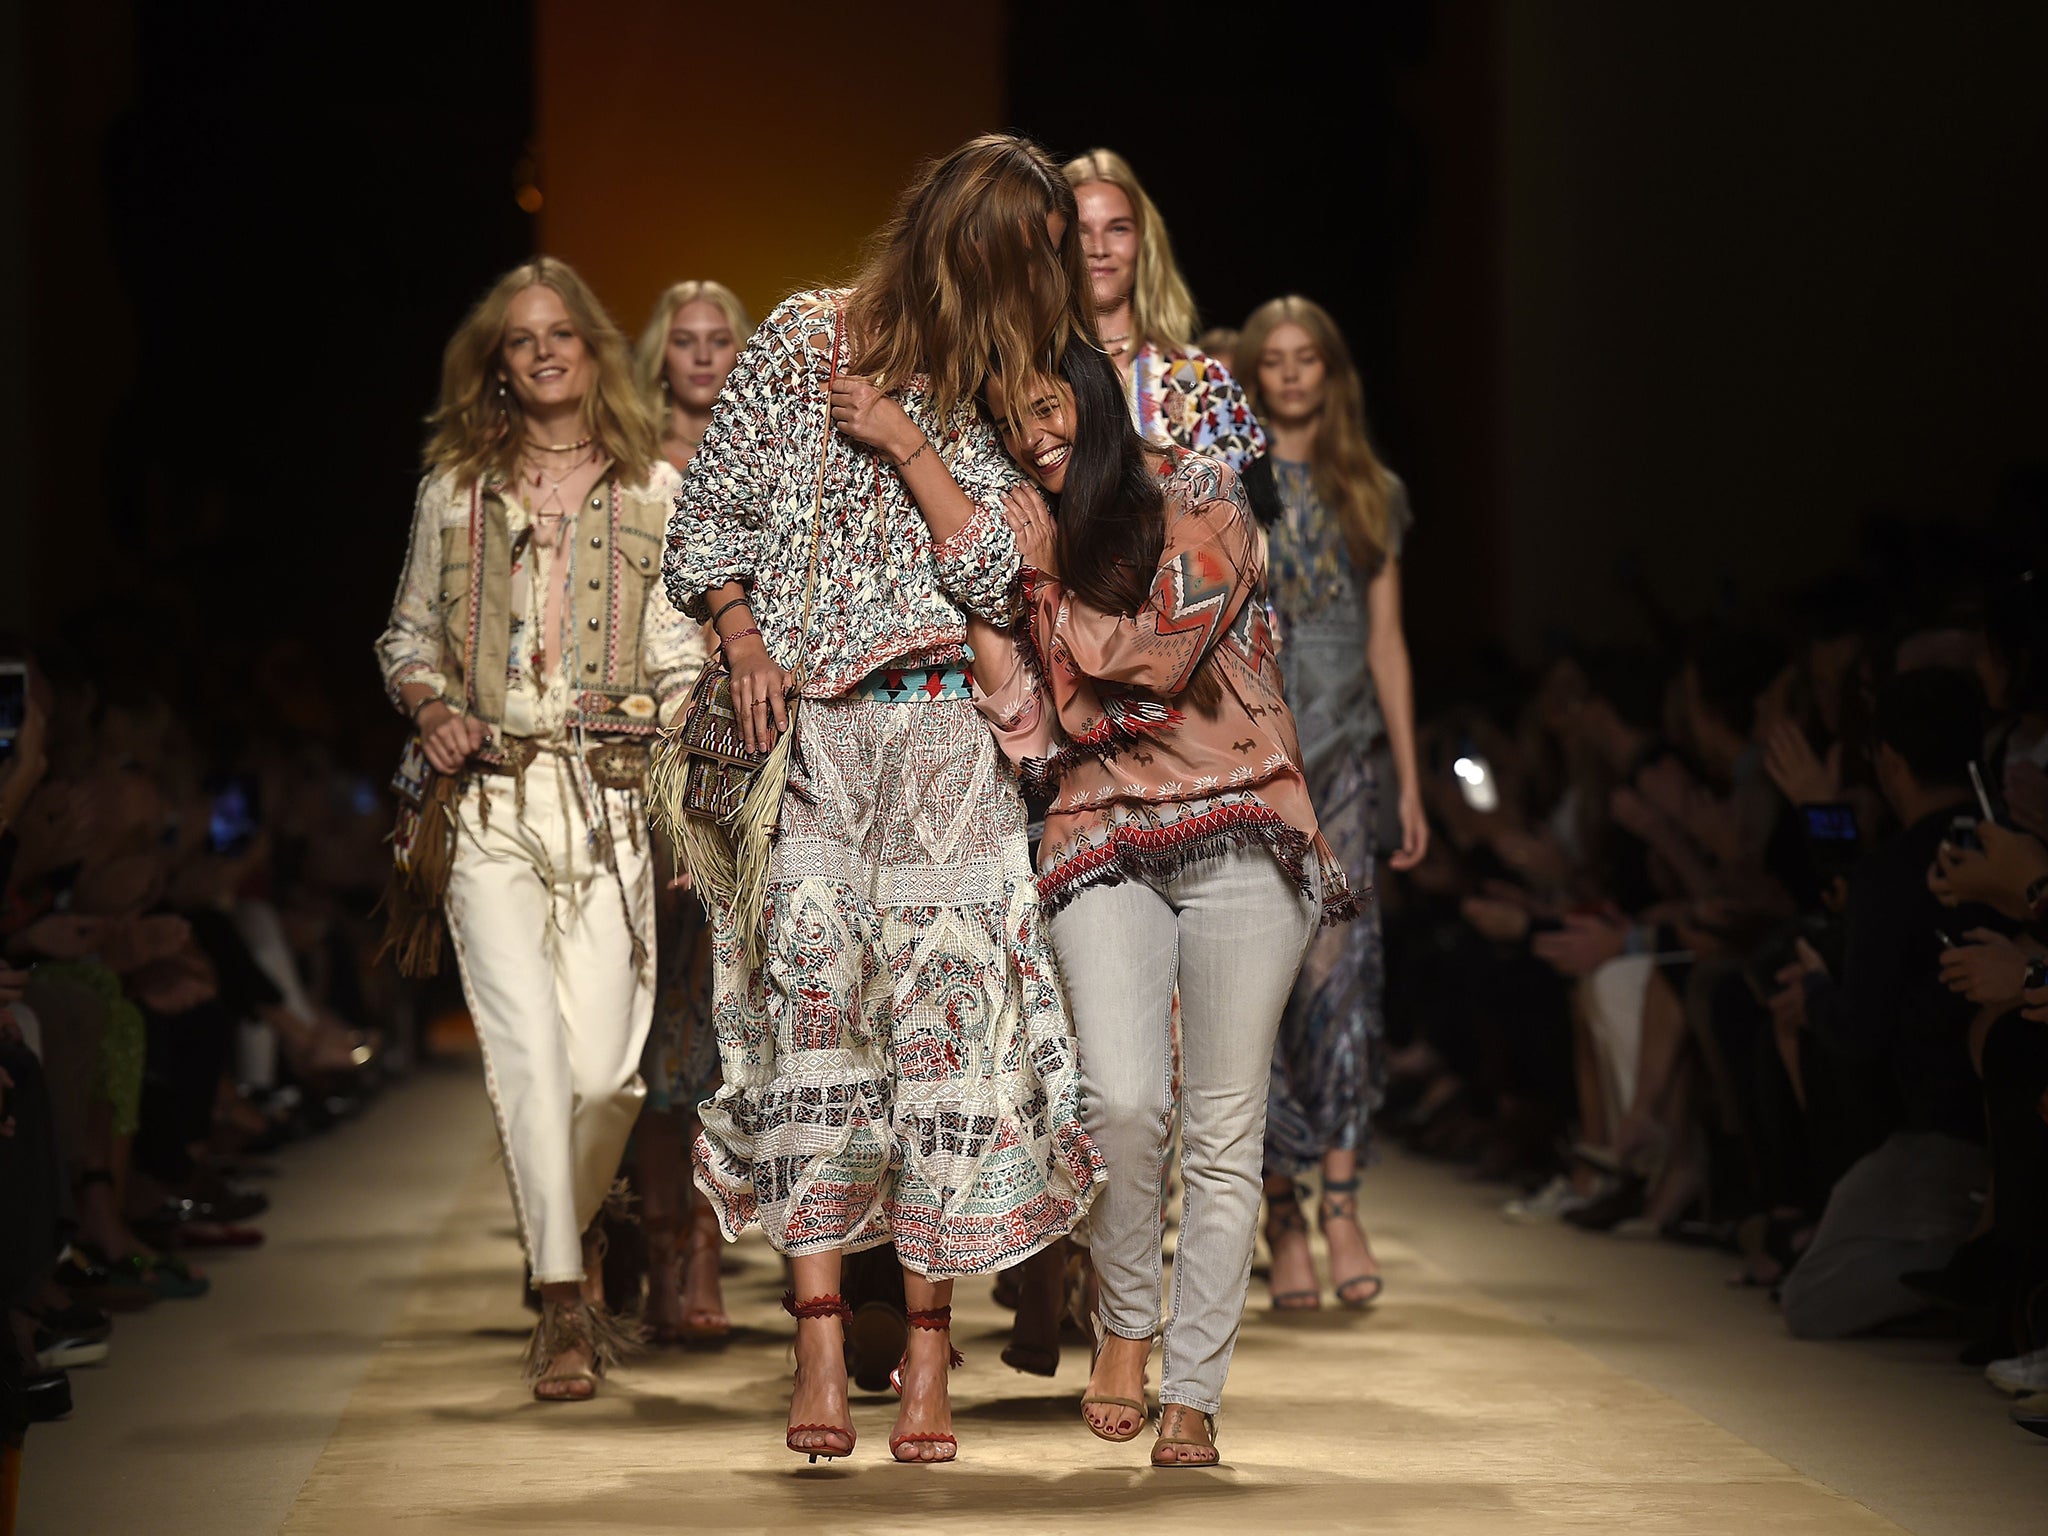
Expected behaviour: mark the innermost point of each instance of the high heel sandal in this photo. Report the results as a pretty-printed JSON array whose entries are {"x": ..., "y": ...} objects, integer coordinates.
[
  {"x": 1181, "y": 1441},
  {"x": 833, "y": 1305},
  {"x": 1094, "y": 1401},
  {"x": 703, "y": 1327},
  {"x": 566, "y": 1326},
  {"x": 1340, "y": 1203},
  {"x": 935, "y": 1320},
  {"x": 1284, "y": 1219}
]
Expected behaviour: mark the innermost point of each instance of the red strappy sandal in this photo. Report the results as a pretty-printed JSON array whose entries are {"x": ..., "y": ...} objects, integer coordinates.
[
  {"x": 938, "y": 1320},
  {"x": 833, "y": 1305}
]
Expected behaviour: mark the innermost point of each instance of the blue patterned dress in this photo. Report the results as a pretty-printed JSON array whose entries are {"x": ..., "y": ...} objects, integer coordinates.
[{"x": 1329, "y": 1068}]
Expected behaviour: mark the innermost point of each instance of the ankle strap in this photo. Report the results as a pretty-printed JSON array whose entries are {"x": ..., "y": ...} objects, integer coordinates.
[
  {"x": 937, "y": 1318},
  {"x": 1341, "y": 1186},
  {"x": 833, "y": 1305}
]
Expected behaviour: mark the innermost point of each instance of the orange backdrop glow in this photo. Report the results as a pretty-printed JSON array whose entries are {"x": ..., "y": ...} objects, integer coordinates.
[{"x": 755, "y": 143}]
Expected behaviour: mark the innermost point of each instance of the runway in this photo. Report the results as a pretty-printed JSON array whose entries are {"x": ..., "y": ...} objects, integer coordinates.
[{"x": 357, "y": 1376}]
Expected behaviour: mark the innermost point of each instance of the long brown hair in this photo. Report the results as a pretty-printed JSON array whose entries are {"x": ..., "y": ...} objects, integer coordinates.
[
  {"x": 1348, "y": 475},
  {"x": 477, "y": 426},
  {"x": 1162, "y": 306},
  {"x": 963, "y": 281}
]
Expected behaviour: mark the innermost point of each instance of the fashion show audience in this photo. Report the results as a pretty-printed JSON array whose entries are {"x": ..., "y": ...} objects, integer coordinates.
[
  {"x": 1737, "y": 940},
  {"x": 188, "y": 981},
  {"x": 1744, "y": 948}
]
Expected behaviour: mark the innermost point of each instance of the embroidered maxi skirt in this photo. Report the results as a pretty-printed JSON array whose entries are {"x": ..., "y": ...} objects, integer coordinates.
[{"x": 902, "y": 1065}]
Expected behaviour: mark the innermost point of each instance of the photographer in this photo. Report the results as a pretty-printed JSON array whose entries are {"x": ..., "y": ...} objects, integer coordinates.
[{"x": 1907, "y": 1204}]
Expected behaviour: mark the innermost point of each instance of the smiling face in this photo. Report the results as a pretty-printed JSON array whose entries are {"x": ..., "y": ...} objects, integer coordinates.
[
  {"x": 1045, "y": 442},
  {"x": 1293, "y": 377},
  {"x": 701, "y": 351},
  {"x": 1109, "y": 240},
  {"x": 543, "y": 360}
]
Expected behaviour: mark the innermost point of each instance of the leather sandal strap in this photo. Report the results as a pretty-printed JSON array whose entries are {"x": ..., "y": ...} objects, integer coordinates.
[{"x": 833, "y": 1305}]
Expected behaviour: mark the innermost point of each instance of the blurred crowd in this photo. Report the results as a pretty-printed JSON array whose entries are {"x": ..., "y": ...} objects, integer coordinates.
[
  {"x": 187, "y": 982},
  {"x": 1738, "y": 940}
]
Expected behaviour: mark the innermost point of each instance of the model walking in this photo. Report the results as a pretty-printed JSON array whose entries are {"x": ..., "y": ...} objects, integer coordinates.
[
  {"x": 534, "y": 651},
  {"x": 689, "y": 346},
  {"x": 900, "y": 1065},
  {"x": 1180, "y": 852},
  {"x": 1336, "y": 588}
]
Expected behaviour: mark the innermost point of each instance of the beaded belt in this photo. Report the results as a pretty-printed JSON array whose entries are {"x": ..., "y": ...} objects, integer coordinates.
[{"x": 916, "y": 685}]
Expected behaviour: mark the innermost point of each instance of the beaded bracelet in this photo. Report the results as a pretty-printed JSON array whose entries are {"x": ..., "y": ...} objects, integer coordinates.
[{"x": 738, "y": 634}]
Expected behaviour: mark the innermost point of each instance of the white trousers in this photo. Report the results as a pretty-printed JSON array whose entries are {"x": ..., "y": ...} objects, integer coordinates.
[{"x": 542, "y": 937}]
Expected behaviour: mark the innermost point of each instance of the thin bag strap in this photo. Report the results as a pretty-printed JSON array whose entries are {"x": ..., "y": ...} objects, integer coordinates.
[{"x": 818, "y": 501}]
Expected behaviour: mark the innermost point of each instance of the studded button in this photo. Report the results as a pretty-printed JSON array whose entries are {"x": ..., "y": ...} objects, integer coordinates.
[
  {"x": 595, "y": 503},
  {"x": 646, "y": 561},
  {"x": 597, "y": 541},
  {"x": 444, "y": 597},
  {"x": 590, "y": 666},
  {"x": 593, "y": 623},
  {"x": 595, "y": 583}
]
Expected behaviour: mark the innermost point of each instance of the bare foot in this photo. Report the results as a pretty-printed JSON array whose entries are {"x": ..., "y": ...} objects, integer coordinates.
[
  {"x": 569, "y": 1376},
  {"x": 704, "y": 1318},
  {"x": 1178, "y": 1422},
  {"x": 819, "y": 1395},
  {"x": 1119, "y": 1373},
  {"x": 1292, "y": 1279},
  {"x": 927, "y": 1404}
]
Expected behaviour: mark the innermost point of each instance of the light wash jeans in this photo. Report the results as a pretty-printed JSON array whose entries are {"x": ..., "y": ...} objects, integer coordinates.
[{"x": 1230, "y": 931}]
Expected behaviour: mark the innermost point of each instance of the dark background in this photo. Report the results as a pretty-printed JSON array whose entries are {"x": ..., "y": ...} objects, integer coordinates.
[{"x": 1657, "y": 305}]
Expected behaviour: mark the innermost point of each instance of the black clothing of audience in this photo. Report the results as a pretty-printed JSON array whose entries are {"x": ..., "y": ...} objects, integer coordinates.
[{"x": 1890, "y": 1006}]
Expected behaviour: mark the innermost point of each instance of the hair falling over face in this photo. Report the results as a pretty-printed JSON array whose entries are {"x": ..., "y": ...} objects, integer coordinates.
[
  {"x": 477, "y": 425},
  {"x": 979, "y": 272},
  {"x": 1348, "y": 474}
]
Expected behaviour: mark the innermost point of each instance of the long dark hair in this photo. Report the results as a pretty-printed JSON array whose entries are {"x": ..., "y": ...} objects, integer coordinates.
[
  {"x": 1112, "y": 513},
  {"x": 1111, "y": 518}
]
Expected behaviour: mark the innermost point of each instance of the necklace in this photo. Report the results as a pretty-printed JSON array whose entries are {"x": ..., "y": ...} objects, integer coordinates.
[{"x": 583, "y": 442}]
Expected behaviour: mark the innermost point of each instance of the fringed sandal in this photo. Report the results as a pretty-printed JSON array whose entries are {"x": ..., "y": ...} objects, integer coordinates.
[
  {"x": 935, "y": 1320},
  {"x": 1174, "y": 1445},
  {"x": 573, "y": 1326},
  {"x": 842, "y": 1435},
  {"x": 1340, "y": 1203},
  {"x": 1284, "y": 1219}
]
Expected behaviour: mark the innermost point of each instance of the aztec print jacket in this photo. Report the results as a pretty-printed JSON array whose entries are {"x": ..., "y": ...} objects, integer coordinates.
[
  {"x": 1144, "y": 783},
  {"x": 1183, "y": 396}
]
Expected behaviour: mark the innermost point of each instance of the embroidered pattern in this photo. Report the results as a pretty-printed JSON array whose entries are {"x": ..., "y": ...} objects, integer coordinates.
[
  {"x": 902, "y": 1065},
  {"x": 886, "y": 593},
  {"x": 916, "y": 685}
]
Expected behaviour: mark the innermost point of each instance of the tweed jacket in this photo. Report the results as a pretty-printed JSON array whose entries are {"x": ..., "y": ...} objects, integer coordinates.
[{"x": 631, "y": 657}]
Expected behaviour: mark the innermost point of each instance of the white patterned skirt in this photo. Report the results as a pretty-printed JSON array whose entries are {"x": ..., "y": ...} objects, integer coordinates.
[{"x": 902, "y": 1065}]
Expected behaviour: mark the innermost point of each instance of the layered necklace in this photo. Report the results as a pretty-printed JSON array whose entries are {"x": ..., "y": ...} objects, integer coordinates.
[{"x": 550, "y": 508}]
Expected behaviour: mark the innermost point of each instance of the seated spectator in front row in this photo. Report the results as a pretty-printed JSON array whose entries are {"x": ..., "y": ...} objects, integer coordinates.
[{"x": 1908, "y": 1204}]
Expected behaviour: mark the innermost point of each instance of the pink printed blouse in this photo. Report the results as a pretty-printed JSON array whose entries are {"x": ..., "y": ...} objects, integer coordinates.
[{"x": 1143, "y": 782}]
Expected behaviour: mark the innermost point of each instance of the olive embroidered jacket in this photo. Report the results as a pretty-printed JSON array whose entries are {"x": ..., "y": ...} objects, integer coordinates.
[{"x": 627, "y": 656}]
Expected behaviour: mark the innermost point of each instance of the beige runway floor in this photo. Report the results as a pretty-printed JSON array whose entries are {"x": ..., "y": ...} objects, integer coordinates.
[{"x": 1511, "y": 1382}]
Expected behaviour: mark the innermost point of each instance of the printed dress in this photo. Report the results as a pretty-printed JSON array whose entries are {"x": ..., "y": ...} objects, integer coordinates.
[
  {"x": 1329, "y": 1069},
  {"x": 901, "y": 1066}
]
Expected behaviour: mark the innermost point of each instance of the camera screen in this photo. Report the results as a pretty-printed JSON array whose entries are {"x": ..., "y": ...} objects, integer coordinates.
[
  {"x": 231, "y": 824},
  {"x": 1831, "y": 823}
]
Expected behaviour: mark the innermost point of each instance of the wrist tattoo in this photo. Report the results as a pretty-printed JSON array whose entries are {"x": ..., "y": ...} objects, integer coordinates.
[{"x": 905, "y": 463}]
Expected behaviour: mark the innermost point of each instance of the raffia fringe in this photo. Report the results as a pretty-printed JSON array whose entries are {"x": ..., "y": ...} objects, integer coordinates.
[
  {"x": 565, "y": 1325},
  {"x": 728, "y": 860}
]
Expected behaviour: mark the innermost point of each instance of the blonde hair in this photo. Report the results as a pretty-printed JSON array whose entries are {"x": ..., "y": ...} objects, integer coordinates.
[
  {"x": 477, "y": 424},
  {"x": 1162, "y": 307},
  {"x": 964, "y": 283},
  {"x": 650, "y": 352},
  {"x": 1348, "y": 475}
]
